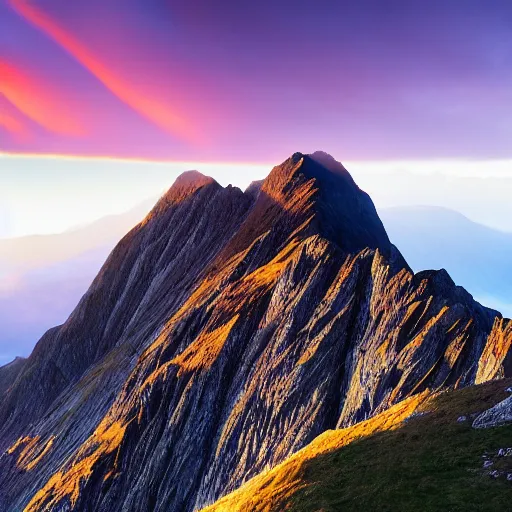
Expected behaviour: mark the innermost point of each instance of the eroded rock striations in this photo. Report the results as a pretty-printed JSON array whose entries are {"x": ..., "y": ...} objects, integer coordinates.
[
  {"x": 500, "y": 414},
  {"x": 223, "y": 334}
]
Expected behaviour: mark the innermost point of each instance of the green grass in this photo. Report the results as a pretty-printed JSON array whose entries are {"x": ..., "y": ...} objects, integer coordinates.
[{"x": 431, "y": 463}]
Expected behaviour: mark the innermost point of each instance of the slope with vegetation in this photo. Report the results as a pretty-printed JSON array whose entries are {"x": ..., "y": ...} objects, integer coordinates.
[{"x": 422, "y": 454}]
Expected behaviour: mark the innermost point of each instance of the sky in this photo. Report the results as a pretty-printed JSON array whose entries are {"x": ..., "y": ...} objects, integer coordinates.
[
  {"x": 104, "y": 102},
  {"x": 48, "y": 195},
  {"x": 233, "y": 81},
  {"x": 53, "y": 194}
]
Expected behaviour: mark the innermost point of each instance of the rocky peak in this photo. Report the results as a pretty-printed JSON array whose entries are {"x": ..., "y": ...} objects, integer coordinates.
[
  {"x": 192, "y": 180},
  {"x": 185, "y": 185},
  {"x": 9, "y": 372},
  {"x": 331, "y": 164},
  {"x": 222, "y": 337},
  {"x": 254, "y": 189},
  {"x": 320, "y": 187}
]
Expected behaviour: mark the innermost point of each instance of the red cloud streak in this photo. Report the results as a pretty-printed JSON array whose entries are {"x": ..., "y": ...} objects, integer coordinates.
[
  {"x": 12, "y": 124},
  {"x": 152, "y": 109},
  {"x": 37, "y": 100}
]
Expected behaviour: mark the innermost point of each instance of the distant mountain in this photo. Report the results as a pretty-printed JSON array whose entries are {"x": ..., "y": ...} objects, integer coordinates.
[
  {"x": 43, "y": 277},
  {"x": 223, "y": 334},
  {"x": 476, "y": 256},
  {"x": 483, "y": 199}
]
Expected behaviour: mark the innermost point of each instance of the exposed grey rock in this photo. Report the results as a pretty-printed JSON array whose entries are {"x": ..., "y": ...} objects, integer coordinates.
[
  {"x": 504, "y": 452},
  {"x": 417, "y": 414},
  {"x": 498, "y": 415}
]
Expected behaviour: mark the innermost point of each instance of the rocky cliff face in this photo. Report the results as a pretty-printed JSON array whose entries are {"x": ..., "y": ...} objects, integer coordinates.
[
  {"x": 223, "y": 334},
  {"x": 9, "y": 372}
]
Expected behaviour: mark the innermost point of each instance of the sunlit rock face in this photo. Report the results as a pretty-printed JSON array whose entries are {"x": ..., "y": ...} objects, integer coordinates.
[{"x": 223, "y": 334}]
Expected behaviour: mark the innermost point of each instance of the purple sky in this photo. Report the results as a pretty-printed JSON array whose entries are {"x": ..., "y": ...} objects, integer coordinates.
[{"x": 256, "y": 81}]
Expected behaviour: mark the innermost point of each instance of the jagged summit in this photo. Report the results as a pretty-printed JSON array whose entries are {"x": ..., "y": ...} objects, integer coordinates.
[
  {"x": 314, "y": 191},
  {"x": 223, "y": 334},
  {"x": 326, "y": 161},
  {"x": 254, "y": 189},
  {"x": 330, "y": 163},
  {"x": 320, "y": 188},
  {"x": 9, "y": 372},
  {"x": 185, "y": 185}
]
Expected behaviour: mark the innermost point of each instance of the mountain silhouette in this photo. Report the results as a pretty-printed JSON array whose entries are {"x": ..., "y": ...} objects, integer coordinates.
[{"x": 224, "y": 333}]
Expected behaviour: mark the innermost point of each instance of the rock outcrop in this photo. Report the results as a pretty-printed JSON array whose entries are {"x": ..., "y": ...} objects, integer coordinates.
[
  {"x": 223, "y": 334},
  {"x": 498, "y": 415}
]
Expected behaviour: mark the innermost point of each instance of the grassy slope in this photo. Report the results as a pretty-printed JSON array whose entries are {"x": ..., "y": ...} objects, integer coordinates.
[{"x": 428, "y": 463}]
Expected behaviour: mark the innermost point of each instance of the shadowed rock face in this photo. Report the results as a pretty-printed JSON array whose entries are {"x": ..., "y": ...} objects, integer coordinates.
[
  {"x": 9, "y": 372},
  {"x": 223, "y": 334}
]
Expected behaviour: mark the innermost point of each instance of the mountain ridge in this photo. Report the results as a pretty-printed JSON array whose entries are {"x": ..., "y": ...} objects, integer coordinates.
[
  {"x": 475, "y": 255},
  {"x": 43, "y": 277},
  {"x": 224, "y": 333},
  {"x": 415, "y": 455}
]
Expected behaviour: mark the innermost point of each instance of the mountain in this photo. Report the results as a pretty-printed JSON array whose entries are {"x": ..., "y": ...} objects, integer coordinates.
[
  {"x": 223, "y": 334},
  {"x": 9, "y": 372},
  {"x": 421, "y": 454},
  {"x": 476, "y": 256},
  {"x": 480, "y": 196},
  {"x": 43, "y": 277}
]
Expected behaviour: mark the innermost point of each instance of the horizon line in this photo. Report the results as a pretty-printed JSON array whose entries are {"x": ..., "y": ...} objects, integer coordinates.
[{"x": 136, "y": 159}]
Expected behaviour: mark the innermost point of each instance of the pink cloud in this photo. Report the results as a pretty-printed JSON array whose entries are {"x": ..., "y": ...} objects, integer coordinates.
[
  {"x": 11, "y": 122},
  {"x": 38, "y": 100},
  {"x": 148, "y": 104}
]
